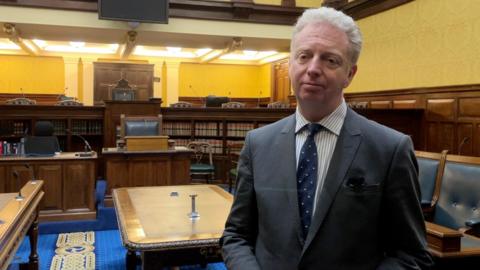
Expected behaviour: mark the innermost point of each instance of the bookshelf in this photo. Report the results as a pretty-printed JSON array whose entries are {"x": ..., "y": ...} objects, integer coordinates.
[
  {"x": 218, "y": 126},
  {"x": 19, "y": 121}
]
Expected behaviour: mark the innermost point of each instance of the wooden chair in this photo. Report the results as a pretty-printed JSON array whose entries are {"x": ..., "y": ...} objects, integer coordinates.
[
  {"x": 181, "y": 104},
  {"x": 233, "y": 153},
  {"x": 430, "y": 166},
  {"x": 201, "y": 151},
  {"x": 233, "y": 104},
  {"x": 278, "y": 105}
]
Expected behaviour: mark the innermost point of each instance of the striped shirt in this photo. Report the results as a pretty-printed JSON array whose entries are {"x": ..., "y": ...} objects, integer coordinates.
[{"x": 325, "y": 140}]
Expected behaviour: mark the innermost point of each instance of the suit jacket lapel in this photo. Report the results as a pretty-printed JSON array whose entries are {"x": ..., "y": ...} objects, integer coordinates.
[
  {"x": 343, "y": 155},
  {"x": 287, "y": 166}
]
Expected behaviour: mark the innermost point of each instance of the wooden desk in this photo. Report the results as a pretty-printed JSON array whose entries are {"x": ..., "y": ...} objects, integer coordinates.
[
  {"x": 16, "y": 218},
  {"x": 146, "y": 168},
  {"x": 156, "y": 223},
  {"x": 69, "y": 183}
]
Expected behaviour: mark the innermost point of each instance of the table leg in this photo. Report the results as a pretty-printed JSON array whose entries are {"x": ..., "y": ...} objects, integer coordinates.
[
  {"x": 33, "y": 237},
  {"x": 131, "y": 260}
]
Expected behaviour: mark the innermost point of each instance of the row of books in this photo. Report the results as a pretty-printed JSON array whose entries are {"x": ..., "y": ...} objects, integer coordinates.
[
  {"x": 239, "y": 129},
  {"x": 207, "y": 128},
  {"x": 11, "y": 148},
  {"x": 87, "y": 127},
  {"x": 177, "y": 128}
]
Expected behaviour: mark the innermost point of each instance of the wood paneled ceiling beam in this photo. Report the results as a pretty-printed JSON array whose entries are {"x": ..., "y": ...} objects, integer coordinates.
[{"x": 14, "y": 36}]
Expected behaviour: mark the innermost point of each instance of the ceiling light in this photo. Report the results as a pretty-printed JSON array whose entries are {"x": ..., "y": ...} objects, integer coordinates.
[
  {"x": 202, "y": 52},
  {"x": 174, "y": 49},
  {"x": 250, "y": 53},
  {"x": 77, "y": 44},
  {"x": 8, "y": 45},
  {"x": 40, "y": 43},
  {"x": 273, "y": 58}
]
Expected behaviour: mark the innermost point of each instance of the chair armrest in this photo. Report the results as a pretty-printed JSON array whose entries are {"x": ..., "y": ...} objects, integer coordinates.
[
  {"x": 442, "y": 239},
  {"x": 473, "y": 226},
  {"x": 426, "y": 203}
]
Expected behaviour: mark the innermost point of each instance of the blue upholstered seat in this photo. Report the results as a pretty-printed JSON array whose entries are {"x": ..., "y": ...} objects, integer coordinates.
[
  {"x": 459, "y": 199},
  {"x": 427, "y": 173}
]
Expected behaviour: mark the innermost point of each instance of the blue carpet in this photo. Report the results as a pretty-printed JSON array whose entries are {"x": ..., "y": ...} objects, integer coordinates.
[{"x": 109, "y": 252}]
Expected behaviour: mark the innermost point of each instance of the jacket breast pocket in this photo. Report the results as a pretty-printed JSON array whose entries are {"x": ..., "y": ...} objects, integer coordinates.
[{"x": 357, "y": 186}]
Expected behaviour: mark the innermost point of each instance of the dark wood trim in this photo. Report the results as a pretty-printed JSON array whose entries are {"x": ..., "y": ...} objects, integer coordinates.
[
  {"x": 363, "y": 8},
  {"x": 41, "y": 99},
  {"x": 249, "y": 102},
  {"x": 235, "y": 10},
  {"x": 416, "y": 91},
  {"x": 288, "y": 3}
]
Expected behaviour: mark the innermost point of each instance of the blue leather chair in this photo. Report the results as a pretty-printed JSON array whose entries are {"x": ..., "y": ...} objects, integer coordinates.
[
  {"x": 458, "y": 206},
  {"x": 140, "y": 125}
]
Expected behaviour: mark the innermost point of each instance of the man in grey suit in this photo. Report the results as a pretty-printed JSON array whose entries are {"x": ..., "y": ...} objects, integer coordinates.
[{"x": 325, "y": 188}]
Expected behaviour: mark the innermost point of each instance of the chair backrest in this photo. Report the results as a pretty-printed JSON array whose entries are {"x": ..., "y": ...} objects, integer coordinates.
[
  {"x": 181, "y": 104},
  {"x": 430, "y": 172},
  {"x": 123, "y": 91},
  {"x": 459, "y": 199},
  {"x": 200, "y": 150},
  {"x": 123, "y": 94},
  {"x": 140, "y": 125},
  {"x": 44, "y": 143},
  {"x": 278, "y": 105},
  {"x": 214, "y": 101},
  {"x": 21, "y": 101},
  {"x": 69, "y": 102},
  {"x": 233, "y": 104}
]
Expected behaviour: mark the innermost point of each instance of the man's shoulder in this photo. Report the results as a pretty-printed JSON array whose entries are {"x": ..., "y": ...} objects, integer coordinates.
[
  {"x": 278, "y": 126},
  {"x": 373, "y": 128}
]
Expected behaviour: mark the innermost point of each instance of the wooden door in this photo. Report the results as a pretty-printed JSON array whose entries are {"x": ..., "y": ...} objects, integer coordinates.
[{"x": 281, "y": 81}]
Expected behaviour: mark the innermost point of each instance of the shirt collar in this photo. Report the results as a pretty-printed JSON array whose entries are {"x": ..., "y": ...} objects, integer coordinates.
[{"x": 332, "y": 122}]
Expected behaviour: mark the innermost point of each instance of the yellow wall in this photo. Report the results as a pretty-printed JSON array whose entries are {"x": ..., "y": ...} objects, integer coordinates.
[
  {"x": 200, "y": 80},
  {"x": 420, "y": 44},
  {"x": 43, "y": 75}
]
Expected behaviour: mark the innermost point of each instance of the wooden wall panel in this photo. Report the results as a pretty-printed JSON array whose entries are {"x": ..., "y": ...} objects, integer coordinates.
[
  {"x": 405, "y": 104},
  {"x": 452, "y": 113},
  {"x": 469, "y": 107},
  {"x": 51, "y": 174},
  {"x": 3, "y": 179},
  {"x": 464, "y": 140},
  {"x": 440, "y": 109},
  {"x": 117, "y": 174},
  {"x": 80, "y": 186},
  {"x": 381, "y": 104},
  {"x": 162, "y": 172}
]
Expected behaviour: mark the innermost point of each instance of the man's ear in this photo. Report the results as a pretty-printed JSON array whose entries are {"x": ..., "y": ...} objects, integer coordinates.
[{"x": 351, "y": 74}]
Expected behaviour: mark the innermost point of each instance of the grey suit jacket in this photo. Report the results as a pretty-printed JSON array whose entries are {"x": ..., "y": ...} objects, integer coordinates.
[{"x": 367, "y": 216}]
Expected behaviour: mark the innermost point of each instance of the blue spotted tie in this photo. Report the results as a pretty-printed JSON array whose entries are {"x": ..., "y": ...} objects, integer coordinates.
[{"x": 307, "y": 177}]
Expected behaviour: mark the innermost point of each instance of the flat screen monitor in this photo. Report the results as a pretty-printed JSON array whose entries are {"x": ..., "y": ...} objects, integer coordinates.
[
  {"x": 152, "y": 11},
  {"x": 214, "y": 101}
]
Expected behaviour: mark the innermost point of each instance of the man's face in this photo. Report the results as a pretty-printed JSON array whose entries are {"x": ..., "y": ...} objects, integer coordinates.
[{"x": 320, "y": 67}]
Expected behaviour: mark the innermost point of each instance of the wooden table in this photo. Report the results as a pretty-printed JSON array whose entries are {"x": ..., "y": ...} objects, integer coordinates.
[
  {"x": 155, "y": 221},
  {"x": 17, "y": 217}
]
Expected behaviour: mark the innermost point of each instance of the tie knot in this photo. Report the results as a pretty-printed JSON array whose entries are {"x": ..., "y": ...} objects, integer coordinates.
[{"x": 313, "y": 129}]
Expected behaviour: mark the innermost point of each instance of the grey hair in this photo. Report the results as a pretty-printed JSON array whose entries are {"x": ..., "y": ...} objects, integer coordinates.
[{"x": 337, "y": 19}]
